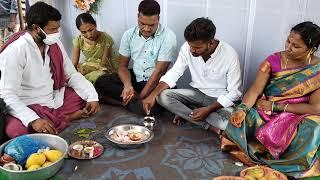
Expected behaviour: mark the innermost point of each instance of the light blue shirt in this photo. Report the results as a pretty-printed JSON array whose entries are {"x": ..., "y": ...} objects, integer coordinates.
[{"x": 146, "y": 52}]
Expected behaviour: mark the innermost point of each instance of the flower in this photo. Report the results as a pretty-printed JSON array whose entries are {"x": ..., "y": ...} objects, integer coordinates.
[
  {"x": 88, "y": 5},
  {"x": 89, "y": 1}
]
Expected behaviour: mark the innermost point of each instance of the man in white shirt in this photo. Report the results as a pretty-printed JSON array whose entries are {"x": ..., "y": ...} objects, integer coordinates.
[
  {"x": 38, "y": 81},
  {"x": 215, "y": 79}
]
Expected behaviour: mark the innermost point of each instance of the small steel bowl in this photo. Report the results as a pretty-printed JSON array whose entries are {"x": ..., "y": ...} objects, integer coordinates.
[{"x": 129, "y": 127}]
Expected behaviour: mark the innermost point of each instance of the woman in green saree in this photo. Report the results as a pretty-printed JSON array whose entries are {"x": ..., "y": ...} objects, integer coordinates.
[
  {"x": 97, "y": 48},
  {"x": 278, "y": 121}
]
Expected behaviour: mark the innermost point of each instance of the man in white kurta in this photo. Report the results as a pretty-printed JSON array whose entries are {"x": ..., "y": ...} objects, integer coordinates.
[
  {"x": 215, "y": 79},
  {"x": 27, "y": 81}
]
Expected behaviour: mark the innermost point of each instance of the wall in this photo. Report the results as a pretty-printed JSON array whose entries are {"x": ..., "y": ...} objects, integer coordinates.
[{"x": 255, "y": 28}]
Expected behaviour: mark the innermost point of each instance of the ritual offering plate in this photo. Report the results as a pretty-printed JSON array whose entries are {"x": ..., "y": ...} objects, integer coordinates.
[
  {"x": 85, "y": 149},
  {"x": 129, "y": 135},
  {"x": 262, "y": 172}
]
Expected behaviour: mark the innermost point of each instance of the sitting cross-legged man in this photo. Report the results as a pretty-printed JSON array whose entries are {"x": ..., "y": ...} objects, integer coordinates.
[
  {"x": 215, "y": 79},
  {"x": 150, "y": 47},
  {"x": 39, "y": 83}
]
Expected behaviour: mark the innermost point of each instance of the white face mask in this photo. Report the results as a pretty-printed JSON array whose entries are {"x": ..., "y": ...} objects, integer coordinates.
[{"x": 51, "y": 38}]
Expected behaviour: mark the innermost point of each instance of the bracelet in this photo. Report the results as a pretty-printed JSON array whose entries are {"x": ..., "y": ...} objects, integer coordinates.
[
  {"x": 244, "y": 107},
  {"x": 272, "y": 106},
  {"x": 285, "y": 107},
  {"x": 276, "y": 107}
]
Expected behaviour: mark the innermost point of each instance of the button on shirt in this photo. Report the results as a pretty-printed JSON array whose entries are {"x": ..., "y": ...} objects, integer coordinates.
[
  {"x": 26, "y": 79},
  {"x": 146, "y": 52},
  {"x": 219, "y": 77}
]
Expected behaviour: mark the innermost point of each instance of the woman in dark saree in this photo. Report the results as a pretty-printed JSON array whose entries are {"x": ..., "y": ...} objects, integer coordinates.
[{"x": 278, "y": 121}]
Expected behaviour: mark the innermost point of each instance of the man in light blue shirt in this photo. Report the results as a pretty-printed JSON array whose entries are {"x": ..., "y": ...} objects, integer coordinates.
[{"x": 151, "y": 47}]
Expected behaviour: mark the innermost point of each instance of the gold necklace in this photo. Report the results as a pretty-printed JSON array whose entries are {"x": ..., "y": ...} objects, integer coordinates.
[{"x": 285, "y": 65}]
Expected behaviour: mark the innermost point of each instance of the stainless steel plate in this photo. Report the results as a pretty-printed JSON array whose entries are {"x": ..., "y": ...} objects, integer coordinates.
[{"x": 148, "y": 135}]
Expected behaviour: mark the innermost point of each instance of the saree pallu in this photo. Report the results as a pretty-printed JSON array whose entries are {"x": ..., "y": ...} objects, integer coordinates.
[{"x": 285, "y": 141}]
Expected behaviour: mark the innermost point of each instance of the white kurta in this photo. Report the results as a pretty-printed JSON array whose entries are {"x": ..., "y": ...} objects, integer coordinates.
[
  {"x": 219, "y": 77},
  {"x": 26, "y": 79}
]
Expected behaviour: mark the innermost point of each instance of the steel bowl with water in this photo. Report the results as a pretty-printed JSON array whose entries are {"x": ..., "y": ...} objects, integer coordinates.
[
  {"x": 129, "y": 127},
  {"x": 54, "y": 142}
]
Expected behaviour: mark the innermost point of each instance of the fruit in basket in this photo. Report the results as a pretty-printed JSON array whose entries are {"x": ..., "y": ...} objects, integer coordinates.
[
  {"x": 272, "y": 176},
  {"x": 52, "y": 155},
  {"x": 249, "y": 177},
  {"x": 33, "y": 167},
  {"x": 255, "y": 173},
  {"x": 35, "y": 159},
  {"x": 47, "y": 163}
]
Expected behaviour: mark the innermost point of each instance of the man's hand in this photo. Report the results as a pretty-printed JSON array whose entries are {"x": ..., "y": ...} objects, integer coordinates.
[
  {"x": 43, "y": 126},
  {"x": 92, "y": 107},
  {"x": 11, "y": 26},
  {"x": 148, "y": 103},
  {"x": 200, "y": 114},
  {"x": 127, "y": 94},
  {"x": 237, "y": 118}
]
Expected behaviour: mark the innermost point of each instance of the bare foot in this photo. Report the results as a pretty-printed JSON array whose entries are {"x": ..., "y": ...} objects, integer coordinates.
[
  {"x": 77, "y": 115},
  {"x": 177, "y": 120}
]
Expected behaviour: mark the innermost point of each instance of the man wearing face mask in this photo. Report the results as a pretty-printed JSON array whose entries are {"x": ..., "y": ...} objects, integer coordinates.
[
  {"x": 215, "y": 74},
  {"x": 38, "y": 82},
  {"x": 150, "y": 47}
]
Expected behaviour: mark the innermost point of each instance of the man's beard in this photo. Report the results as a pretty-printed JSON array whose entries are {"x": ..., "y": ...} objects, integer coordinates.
[
  {"x": 195, "y": 54},
  {"x": 40, "y": 38}
]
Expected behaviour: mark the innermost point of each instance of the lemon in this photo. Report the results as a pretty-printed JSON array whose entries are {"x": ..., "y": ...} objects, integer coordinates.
[
  {"x": 47, "y": 163},
  {"x": 256, "y": 173},
  {"x": 33, "y": 167},
  {"x": 35, "y": 159},
  {"x": 52, "y": 155}
]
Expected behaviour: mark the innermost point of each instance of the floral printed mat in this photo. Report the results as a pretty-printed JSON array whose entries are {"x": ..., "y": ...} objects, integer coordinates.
[{"x": 176, "y": 152}]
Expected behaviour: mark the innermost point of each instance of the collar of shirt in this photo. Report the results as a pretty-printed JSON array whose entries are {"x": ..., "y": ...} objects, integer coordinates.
[
  {"x": 31, "y": 41},
  {"x": 216, "y": 51}
]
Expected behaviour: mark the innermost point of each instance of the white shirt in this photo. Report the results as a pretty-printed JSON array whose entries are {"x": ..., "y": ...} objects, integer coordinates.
[
  {"x": 26, "y": 79},
  {"x": 219, "y": 77}
]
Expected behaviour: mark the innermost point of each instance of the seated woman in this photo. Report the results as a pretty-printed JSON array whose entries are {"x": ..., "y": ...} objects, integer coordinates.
[
  {"x": 97, "y": 48},
  {"x": 278, "y": 121}
]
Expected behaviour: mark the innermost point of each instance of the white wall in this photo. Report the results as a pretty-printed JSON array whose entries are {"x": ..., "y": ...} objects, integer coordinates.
[{"x": 255, "y": 28}]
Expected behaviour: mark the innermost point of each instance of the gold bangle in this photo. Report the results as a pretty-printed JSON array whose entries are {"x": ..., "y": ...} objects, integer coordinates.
[
  {"x": 285, "y": 107},
  {"x": 272, "y": 106}
]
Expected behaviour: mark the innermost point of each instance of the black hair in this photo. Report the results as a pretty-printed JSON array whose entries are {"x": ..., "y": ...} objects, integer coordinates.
[
  {"x": 200, "y": 29},
  {"x": 149, "y": 7},
  {"x": 309, "y": 32},
  {"x": 41, "y": 13},
  {"x": 84, "y": 18}
]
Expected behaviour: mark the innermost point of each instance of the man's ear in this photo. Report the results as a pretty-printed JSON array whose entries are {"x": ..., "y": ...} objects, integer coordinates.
[
  {"x": 34, "y": 27},
  {"x": 211, "y": 42}
]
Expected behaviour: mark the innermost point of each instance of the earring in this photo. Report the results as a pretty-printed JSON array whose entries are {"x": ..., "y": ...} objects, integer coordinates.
[{"x": 309, "y": 57}]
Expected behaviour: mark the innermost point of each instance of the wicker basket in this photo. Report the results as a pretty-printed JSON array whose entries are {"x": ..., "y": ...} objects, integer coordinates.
[
  {"x": 266, "y": 170},
  {"x": 228, "y": 178}
]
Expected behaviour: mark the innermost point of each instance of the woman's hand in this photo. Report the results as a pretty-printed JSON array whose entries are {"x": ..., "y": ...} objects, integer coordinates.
[
  {"x": 237, "y": 118},
  {"x": 264, "y": 105}
]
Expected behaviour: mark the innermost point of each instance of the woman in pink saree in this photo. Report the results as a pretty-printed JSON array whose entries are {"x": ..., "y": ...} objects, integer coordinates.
[{"x": 278, "y": 121}]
